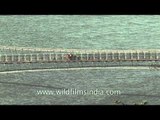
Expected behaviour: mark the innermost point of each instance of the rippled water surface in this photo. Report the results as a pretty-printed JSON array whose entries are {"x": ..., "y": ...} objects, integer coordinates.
[{"x": 81, "y": 32}]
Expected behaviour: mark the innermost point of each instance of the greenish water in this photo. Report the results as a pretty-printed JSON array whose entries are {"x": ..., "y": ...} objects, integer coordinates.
[
  {"x": 75, "y": 31},
  {"x": 80, "y": 32}
]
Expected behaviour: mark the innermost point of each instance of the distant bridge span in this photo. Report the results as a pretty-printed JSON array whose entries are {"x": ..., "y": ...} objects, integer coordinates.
[
  {"x": 61, "y": 55},
  {"x": 81, "y": 58}
]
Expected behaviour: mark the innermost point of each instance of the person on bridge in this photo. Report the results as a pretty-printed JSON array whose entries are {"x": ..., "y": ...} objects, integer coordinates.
[{"x": 72, "y": 57}]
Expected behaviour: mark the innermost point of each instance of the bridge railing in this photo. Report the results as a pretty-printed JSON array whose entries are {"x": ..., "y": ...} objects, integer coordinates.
[{"x": 62, "y": 57}]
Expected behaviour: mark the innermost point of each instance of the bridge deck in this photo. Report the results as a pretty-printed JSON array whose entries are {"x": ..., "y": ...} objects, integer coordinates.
[{"x": 87, "y": 57}]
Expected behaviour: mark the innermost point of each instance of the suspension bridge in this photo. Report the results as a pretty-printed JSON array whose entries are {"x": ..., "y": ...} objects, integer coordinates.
[{"x": 70, "y": 58}]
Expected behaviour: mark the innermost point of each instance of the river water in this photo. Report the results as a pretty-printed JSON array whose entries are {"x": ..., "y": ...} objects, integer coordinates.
[{"x": 81, "y": 32}]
